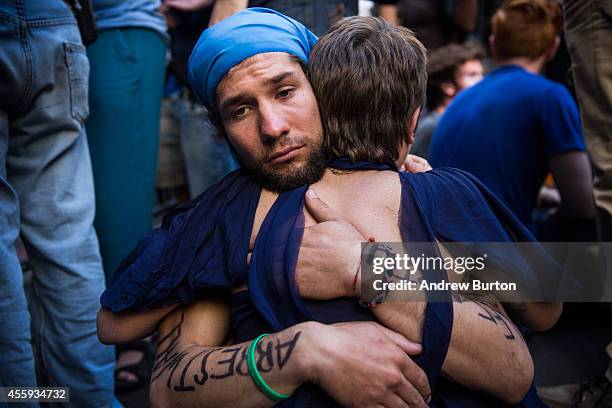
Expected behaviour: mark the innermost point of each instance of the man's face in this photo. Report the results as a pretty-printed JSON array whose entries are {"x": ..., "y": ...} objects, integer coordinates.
[
  {"x": 468, "y": 74},
  {"x": 271, "y": 119}
]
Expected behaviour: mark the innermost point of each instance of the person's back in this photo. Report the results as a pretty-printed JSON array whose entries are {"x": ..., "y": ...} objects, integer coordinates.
[
  {"x": 503, "y": 130},
  {"x": 515, "y": 126}
]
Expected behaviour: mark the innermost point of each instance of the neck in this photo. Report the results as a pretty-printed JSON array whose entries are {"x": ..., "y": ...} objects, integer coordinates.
[{"x": 530, "y": 65}]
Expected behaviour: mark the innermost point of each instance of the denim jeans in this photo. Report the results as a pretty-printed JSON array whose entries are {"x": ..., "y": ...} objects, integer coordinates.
[
  {"x": 207, "y": 160},
  {"x": 47, "y": 196},
  {"x": 317, "y": 15}
]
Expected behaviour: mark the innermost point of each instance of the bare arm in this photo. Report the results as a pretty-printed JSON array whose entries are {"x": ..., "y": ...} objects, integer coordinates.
[
  {"x": 486, "y": 353},
  {"x": 573, "y": 178},
  {"x": 225, "y": 8},
  {"x": 192, "y": 370},
  {"x": 122, "y": 327}
]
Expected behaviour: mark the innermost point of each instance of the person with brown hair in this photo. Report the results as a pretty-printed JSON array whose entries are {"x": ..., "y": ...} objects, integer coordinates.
[
  {"x": 515, "y": 126},
  {"x": 450, "y": 69}
]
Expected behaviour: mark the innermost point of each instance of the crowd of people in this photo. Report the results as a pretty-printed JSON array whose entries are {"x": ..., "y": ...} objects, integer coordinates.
[{"x": 279, "y": 137}]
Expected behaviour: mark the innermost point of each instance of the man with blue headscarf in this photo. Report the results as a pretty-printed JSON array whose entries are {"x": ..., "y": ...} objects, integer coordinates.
[
  {"x": 220, "y": 50},
  {"x": 278, "y": 144},
  {"x": 276, "y": 63}
]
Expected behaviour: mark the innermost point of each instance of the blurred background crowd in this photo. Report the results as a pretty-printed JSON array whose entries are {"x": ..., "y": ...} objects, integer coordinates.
[{"x": 82, "y": 182}]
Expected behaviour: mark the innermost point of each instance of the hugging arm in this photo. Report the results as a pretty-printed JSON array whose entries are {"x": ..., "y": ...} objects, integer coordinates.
[
  {"x": 486, "y": 352},
  {"x": 192, "y": 369}
]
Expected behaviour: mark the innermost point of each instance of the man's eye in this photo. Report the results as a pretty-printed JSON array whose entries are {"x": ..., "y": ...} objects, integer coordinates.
[
  {"x": 285, "y": 93},
  {"x": 240, "y": 112}
]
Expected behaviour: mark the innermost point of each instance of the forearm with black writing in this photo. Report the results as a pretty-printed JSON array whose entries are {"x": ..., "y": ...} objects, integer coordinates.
[
  {"x": 186, "y": 374},
  {"x": 486, "y": 353}
]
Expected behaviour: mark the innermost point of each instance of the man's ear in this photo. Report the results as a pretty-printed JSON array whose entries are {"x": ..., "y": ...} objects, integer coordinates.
[
  {"x": 413, "y": 124},
  {"x": 552, "y": 49}
]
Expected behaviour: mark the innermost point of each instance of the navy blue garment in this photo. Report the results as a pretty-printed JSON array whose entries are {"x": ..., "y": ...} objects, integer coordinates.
[
  {"x": 203, "y": 245},
  {"x": 504, "y": 129}
]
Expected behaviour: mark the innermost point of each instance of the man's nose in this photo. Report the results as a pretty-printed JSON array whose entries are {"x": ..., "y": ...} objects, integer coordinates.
[{"x": 273, "y": 123}]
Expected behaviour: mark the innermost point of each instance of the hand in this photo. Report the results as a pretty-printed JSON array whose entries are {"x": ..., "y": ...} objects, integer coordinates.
[
  {"x": 378, "y": 360},
  {"x": 330, "y": 254},
  {"x": 188, "y": 5},
  {"x": 225, "y": 8},
  {"x": 415, "y": 164}
]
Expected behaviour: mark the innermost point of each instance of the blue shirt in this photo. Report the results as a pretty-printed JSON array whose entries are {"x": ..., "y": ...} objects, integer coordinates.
[
  {"x": 132, "y": 13},
  {"x": 504, "y": 129}
]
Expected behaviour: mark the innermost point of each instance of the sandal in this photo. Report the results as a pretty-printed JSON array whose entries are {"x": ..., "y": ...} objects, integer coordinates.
[{"x": 140, "y": 370}]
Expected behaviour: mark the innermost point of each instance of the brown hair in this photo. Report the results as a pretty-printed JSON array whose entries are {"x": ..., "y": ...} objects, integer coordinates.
[
  {"x": 369, "y": 77},
  {"x": 442, "y": 67},
  {"x": 525, "y": 28}
]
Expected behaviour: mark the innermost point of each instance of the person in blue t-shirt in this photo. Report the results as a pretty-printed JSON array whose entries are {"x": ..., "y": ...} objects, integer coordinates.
[{"x": 515, "y": 126}]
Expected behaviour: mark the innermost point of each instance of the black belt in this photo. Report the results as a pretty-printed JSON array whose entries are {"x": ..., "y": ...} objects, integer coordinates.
[{"x": 83, "y": 12}]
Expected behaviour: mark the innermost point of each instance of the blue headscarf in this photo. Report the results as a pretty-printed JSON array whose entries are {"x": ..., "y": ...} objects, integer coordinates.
[{"x": 249, "y": 32}]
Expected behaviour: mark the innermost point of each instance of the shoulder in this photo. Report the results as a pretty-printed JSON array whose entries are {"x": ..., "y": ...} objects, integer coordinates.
[
  {"x": 459, "y": 207},
  {"x": 442, "y": 180},
  {"x": 221, "y": 204},
  {"x": 220, "y": 193},
  {"x": 546, "y": 91},
  {"x": 555, "y": 93},
  {"x": 516, "y": 80},
  {"x": 443, "y": 186}
]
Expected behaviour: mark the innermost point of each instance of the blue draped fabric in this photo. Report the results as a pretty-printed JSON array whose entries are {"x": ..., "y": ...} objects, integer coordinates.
[{"x": 203, "y": 245}]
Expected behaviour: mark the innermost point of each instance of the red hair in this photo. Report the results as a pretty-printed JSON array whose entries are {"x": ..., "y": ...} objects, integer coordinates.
[{"x": 525, "y": 28}]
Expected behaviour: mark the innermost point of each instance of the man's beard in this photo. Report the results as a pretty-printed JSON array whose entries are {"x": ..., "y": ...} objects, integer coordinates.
[{"x": 312, "y": 170}]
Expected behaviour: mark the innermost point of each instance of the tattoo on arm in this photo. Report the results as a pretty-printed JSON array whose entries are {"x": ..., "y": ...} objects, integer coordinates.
[
  {"x": 270, "y": 353},
  {"x": 494, "y": 316},
  {"x": 489, "y": 311}
]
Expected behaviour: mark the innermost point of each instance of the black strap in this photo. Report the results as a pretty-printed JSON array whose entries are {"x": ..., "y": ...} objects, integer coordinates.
[{"x": 83, "y": 12}]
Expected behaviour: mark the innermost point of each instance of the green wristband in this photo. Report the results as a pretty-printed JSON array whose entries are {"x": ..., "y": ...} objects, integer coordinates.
[{"x": 257, "y": 378}]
